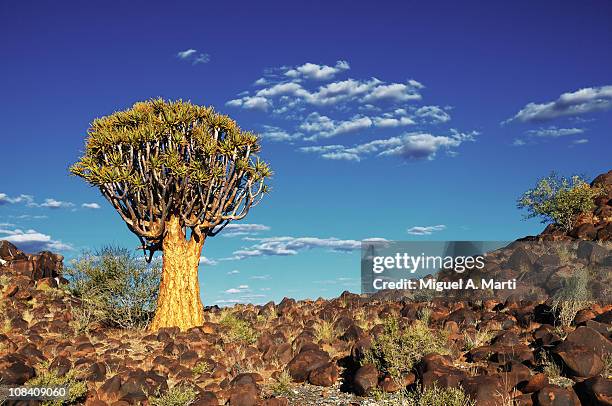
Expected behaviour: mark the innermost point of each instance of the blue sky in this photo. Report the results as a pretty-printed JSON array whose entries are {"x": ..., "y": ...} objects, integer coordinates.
[{"x": 396, "y": 120}]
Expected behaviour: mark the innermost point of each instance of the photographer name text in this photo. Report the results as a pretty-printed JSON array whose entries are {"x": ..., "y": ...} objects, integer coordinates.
[{"x": 440, "y": 286}]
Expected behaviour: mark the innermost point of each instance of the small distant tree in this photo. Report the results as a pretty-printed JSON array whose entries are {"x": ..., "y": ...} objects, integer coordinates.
[
  {"x": 559, "y": 200},
  {"x": 176, "y": 173}
]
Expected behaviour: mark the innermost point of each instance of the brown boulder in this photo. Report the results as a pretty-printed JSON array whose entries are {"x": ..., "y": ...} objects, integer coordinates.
[
  {"x": 9, "y": 252},
  {"x": 589, "y": 338},
  {"x": 486, "y": 390},
  {"x": 306, "y": 361},
  {"x": 580, "y": 360},
  {"x": 557, "y": 396},
  {"x": 244, "y": 395},
  {"x": 13, "y": 371},
  {"x": 603, "y": 179},
  {"x": 325, "y": 375},
  {"x": 366, "y": 379},
  {"x": 534, "y": 384},
  {"x": 596, "y": 390},
  {"x": 206, "y": 398}
]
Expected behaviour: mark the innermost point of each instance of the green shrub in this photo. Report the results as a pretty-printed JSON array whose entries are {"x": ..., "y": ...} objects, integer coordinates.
[
  {"x": 238, "y": 330},
  {"x": 559, "y": 200},
  {"x": 180, "y": 395},
  {"x": 45, "y": 377},
  {"x": 396, "y": 350},
  {"x": 116, "y": 288},
  {"x": 201, "y": 368}
]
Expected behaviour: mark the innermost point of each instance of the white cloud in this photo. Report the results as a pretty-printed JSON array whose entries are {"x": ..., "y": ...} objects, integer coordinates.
[
  {"x": 433, "y": 113},
  {"x": 425, "y": 230},
  {"x": 250, "y": 103},
  {"x": 518, "y": 142},
  {"x": 234, "y": 272},
  {"x": 6, "y": 199},
  {"x": 33, "y": 241},
  {"x": 555, "y": 132},
  {"x": 583, "y": 101},
  {"x": 273, "y": 133},
  {"x": 426, "y": 146},
  {"x": 261, "y": 277},
  {"x": 54, "y": 204},
  {"x": 317, "y": 72},
  {"x": 392, "y": 122},
  {"x": 238, "y": 229},
  {"x": 29, "y": 217},
  {"x": 193, "y": 56},
  {"x": 237, "y": 290},
  {"x": 207, "y": 261},
  {"x": 394, "y": 91},
  {"x": 324, "y": 127},
  {"x": 186, "y": 54},
  {"x": 581, "y": 141},
  {"x": 408, "y": 146},
  {"x": 228, "y": 301},
  {"x": 261, "y": 82},
  {"x": 284, "y": 246},
  {"x": 361, "y": 91},
  {"x": 321, "y": 126},
  {"x": 93, "y": 206}
]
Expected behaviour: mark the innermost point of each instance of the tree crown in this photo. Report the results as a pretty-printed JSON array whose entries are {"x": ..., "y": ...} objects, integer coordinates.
[
  {"x": 559, "y": 200},
  {"x": 161, "y": 158}
]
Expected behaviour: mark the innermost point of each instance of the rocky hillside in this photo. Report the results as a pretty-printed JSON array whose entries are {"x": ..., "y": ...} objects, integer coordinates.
[{"x": 350, "y": 350}]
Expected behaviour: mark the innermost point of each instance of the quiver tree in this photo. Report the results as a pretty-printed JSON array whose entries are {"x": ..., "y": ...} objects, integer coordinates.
[{"x": 176, "y": 173}]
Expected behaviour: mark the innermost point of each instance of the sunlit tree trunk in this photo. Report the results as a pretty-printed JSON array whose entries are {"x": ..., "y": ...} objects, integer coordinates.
[{"x": 179, "y": 302}]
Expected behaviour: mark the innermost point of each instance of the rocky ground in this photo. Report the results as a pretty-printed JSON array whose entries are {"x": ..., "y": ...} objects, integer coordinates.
[{"x": 352, "y": 350}]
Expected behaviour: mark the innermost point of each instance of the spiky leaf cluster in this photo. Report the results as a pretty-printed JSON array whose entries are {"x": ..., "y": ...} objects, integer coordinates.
[{"x": 173, "y": 158}]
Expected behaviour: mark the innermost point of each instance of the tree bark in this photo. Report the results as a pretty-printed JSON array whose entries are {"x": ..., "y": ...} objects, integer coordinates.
[{"x": 179, "y": 303}]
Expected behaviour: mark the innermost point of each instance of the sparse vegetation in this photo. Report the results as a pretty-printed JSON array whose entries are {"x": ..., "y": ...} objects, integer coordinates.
[
  {"x": 115, "y": 287},
  {"x": 281, "y": 385},
  {"x": 559, "y": 200},
  {"x": 6, "y": 326},
  {"x": 607, "y": 359},
  {"x": 325, "y": 331},
  {"x": 238, "y": 330},
  {"x": 431, "y": 396},
  {"x": 572, "y": 297},
  {"x": 553, "y": 371},
  {"x": 436, "y": 396},
  {"x": 396, "y": 349},
  {"x": 45, "y": 377},
  {"x": 4, "y": 281},
  {"x": 201, "y": 368},
  {"x": 425, "y": 315},
  {"x": 180, "y": 395},
  {"x": 478, "y": 339}
]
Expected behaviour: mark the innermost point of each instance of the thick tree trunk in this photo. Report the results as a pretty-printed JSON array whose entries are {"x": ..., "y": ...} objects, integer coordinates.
[{"x": 179, "y": 304}]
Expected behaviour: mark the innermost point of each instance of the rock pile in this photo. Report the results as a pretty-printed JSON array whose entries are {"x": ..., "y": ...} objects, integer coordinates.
[{"x": 305, "y": 353}]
